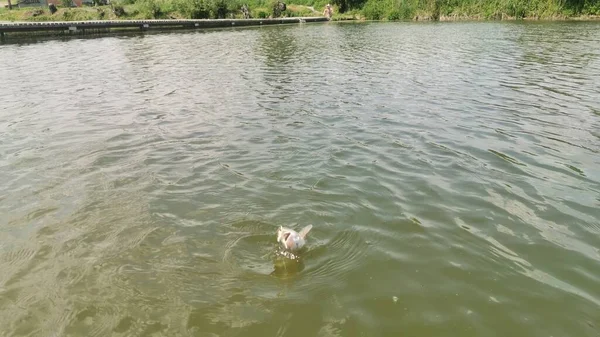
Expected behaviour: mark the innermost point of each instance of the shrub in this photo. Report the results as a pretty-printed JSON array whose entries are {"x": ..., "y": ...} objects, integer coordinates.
[
  {"x": 592, "y": 8},
  {"x": 67, "y": 15},
  {"x": 516, "y": 8},
  {"x": 260, "y": 13},
  {"x": 346, "y": 5},
  {"x": 219, "y": 9},
  {"x": 117, "y": 10},
  {"x": 407, "y": 12},
  {"x": 297, "y": 11},
  {"x": 373, "y": 10},
  {"x": 394, "y": 15},
  {"x": 101, "y": 13},
  {"x": 204, "y": 9},
  {"x": 193, "y": 9},
  {"x": 149, "y": 9}
]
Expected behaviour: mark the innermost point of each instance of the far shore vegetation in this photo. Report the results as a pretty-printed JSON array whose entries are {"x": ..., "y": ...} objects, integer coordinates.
[{"x": 392, "y": 10}]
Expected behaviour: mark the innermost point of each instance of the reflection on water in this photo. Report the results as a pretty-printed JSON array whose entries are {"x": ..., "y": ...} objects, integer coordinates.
[
  {"x": 451, "y": 172},
  {"x": 287, "y": 265}
]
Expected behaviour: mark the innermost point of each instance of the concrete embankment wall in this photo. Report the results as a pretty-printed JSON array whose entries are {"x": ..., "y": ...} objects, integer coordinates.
[{"x": 89, "y": 27}]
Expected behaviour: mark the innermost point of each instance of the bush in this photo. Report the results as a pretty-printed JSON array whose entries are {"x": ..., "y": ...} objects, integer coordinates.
[
  {"x": 592, "y": 7},
  {"x": 193, "y": 9},
  {"x": 260, "y": 13},
  {"x": 407, "y": 12},
  {"x": 516, "y": 8},
  {"x": 394, "y": 15},
  {"x": 204, "y": 9},
  {"x": 297, "y": 11},
  {"x": 373, "y": 10},
  {"x": 346, "y": 5},
  {"x": 117, "y": 10},
  {"x": 219, "y": 9},
  {"x": 149, "y": 9},
  {"x": 101, "y": 13},
  {"x": 67, "y": 15}
]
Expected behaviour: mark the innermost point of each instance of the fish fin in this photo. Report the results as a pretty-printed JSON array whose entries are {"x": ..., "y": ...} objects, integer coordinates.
[{"x": 305, "y": 231}]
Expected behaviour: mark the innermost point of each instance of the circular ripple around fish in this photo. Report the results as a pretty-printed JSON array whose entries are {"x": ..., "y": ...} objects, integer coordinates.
[
  {"x": 331, "y": 261},
  {"x": 251, "y": 247},
  {"x": 286, "y": 264}
]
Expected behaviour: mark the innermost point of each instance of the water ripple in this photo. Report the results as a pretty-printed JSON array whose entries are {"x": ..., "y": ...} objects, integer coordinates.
[{"x": 450, "y": 172}]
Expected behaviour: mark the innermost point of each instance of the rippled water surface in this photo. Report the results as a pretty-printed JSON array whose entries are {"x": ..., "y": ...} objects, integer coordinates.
[{"x": 451, "y": 173}]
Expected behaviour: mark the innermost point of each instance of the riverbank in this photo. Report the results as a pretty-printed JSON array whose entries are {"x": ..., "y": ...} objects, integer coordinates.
[
  {"x": 147, "y": 10},
  {"x": 69, "y": 28},
  {"x": 372, "y": 10},
  {"x": 456, "y": 10},
  {"x": 453, "y": 18}
]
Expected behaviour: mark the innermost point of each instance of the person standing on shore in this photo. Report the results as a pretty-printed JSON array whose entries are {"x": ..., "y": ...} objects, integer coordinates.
[{"x": 328, "y": 12}]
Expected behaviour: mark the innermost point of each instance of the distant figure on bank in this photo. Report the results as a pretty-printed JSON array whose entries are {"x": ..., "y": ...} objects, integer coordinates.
[
  {"x": 328, "y": 12},
  {"x": 245, "y": 11},
  {"x": 278, "y": 9}
]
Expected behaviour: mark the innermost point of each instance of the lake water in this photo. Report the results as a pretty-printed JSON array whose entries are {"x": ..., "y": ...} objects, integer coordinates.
[{"x": 451, "y": 172}]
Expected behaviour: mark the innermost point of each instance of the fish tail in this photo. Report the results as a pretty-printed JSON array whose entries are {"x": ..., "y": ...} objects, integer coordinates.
[{"x": 305, "y": 231}]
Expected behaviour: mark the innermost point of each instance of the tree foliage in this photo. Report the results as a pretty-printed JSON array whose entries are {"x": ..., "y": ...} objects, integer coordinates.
[
  {"x": 369, "y": 9},
  {"x": 438, "y": 9},
  {"x": 346, "y": 5}
]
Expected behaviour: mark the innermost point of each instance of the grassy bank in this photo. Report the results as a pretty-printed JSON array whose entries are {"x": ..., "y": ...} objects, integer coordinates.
[
  {"x": 157, "y": 9},
  {"x": 445, "y": 10},
  {"x": 442, "y": 10}
]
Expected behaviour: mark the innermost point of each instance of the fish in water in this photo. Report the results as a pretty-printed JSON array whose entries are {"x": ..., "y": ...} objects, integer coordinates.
[{"x": 292, "y": 240}]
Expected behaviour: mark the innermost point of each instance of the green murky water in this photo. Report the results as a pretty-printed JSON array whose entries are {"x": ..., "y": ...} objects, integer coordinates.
[{"x": 451, "y": 172}]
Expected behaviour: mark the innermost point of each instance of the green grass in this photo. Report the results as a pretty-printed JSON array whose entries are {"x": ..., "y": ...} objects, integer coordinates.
[
  {"x": 354, "y": 9},
  {"x": 156, "y": 9},
  {"x": 63, "y": 14},
  {"x": 476, "y": 9}
]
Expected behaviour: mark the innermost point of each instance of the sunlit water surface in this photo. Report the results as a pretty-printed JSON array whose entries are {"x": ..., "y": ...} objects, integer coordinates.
[{"x": 451, "y": 172}]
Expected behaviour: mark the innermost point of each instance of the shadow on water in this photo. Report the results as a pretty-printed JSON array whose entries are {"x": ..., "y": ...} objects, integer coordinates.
[{"x": 33, "y": 38}]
